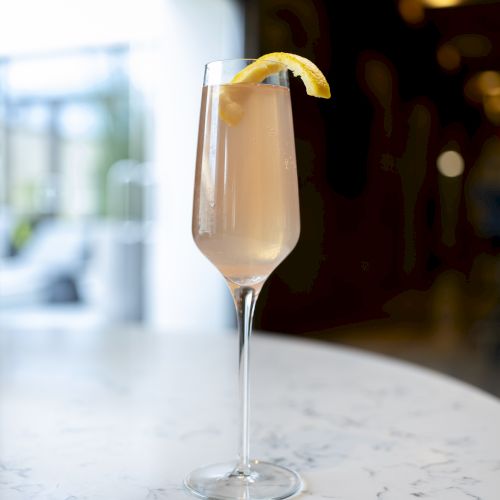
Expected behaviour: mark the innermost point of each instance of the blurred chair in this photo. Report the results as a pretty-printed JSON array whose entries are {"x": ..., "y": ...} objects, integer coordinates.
[{"x": 48, "y": 267}]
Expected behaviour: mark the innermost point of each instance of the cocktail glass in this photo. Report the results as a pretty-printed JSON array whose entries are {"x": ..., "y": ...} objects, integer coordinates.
[{"x": 245, "y": 221}]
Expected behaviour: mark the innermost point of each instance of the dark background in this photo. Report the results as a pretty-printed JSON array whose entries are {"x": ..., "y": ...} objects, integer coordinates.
[
  {"x": 387, "y": 242},
  {"x": 350, "y": 171}
]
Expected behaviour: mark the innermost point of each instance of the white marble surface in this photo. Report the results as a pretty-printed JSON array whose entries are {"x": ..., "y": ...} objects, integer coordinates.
[{"x": 125, "y": 415}]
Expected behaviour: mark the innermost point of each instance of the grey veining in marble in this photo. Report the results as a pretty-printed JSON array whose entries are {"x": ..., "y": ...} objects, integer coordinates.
[{"x": 125, "y": 415}]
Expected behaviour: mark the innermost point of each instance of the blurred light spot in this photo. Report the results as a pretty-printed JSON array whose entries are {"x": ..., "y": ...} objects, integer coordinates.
[
  {"x": 488, "y": 80},
  {"x": 471, "y": 45},
  {"x": 448, "y": 57},
  {"x": 379, "y": 80},
  {"x": 450, "y": 164},
  {"x": 438, "y": 4},
  {"x": 412, "y": 11},
  {"x": 471, "y": 90},
  {"x": 491, "y": 103},
  {"x": 481, "y": 84}
]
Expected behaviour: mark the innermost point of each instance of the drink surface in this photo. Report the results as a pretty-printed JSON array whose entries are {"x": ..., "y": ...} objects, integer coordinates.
[{"x": 246, "y": 209}]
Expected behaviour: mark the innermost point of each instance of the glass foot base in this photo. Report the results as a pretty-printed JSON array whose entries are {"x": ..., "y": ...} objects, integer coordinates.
[{"x": 224, "y": 482}]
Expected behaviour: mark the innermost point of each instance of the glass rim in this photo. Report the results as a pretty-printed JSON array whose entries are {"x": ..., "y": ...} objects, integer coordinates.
[{"x": 244, "y": 59}]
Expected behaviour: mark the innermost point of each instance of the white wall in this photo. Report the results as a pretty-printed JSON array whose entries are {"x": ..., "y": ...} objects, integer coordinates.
[
  {"x": 34, "y": 26},
  {"x": 173, "y": 40},
  {"x": 185, "y": 291}
]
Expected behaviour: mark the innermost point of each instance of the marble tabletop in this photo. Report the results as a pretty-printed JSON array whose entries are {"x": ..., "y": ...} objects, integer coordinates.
[{"x": 125, "y": 414}]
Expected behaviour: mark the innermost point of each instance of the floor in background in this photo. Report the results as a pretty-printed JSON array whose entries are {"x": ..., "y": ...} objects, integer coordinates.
[
  {"x": 454, "y": 328},
  {"x": 476, "y": 364}
]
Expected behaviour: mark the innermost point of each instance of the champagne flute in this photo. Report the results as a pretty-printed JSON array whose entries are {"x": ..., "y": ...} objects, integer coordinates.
[{"x": 245, "y": 221}]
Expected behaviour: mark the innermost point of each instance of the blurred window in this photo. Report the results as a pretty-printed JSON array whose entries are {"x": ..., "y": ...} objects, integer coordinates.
[
  {"x": 65, "y": 121},
  {"x": 90, "y": 120}
]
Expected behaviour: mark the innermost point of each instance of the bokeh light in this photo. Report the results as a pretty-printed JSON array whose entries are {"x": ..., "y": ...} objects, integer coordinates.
[
  {"x": 412, "y": 11},
  {"x": 491, "y": 103},
  {"x": 450, "y": 164},
  {"x": 487, "y": 81},
  {"x": 472, "y": 45},
  {"x": 439, "y": 4},
  {"x": 448, "y": 57},
  {"x": 481, "y": 84}
]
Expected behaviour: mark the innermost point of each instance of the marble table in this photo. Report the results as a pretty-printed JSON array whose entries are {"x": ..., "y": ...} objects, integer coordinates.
[{"x": 124, "y": 415}]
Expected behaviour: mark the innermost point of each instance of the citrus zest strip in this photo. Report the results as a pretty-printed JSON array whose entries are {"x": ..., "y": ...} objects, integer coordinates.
[{"x": 314, "y": 80}]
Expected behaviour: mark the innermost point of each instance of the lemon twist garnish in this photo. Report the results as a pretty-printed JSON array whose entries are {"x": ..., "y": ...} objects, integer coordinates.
[{"x": 314, "y": 80}]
